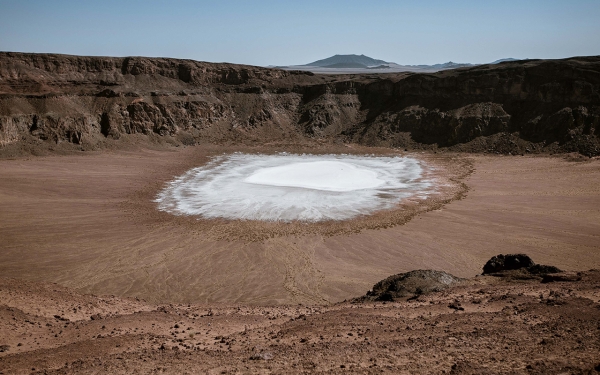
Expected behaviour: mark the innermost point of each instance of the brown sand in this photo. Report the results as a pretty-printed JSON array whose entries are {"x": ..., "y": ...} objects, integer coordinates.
[{"x": 86, "y": 222}]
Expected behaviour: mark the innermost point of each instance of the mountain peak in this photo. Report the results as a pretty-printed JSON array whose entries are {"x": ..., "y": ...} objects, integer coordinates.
[{"x": 347, "y": 61}]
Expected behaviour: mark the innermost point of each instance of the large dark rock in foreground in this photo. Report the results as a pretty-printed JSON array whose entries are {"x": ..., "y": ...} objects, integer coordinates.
[
  {"x": 413, "y": 283},
  {"x": 499, "y": 264},
  {"x": 507, "y": 262},
  {"x": 87, "y": 102}
]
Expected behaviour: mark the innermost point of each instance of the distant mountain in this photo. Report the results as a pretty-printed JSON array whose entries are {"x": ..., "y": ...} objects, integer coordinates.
[
  {"x": 356, "y": 64},
  {"x": 453, "y": 65},
  {"x": 444, "y": 66},
  {"x": 347, "y": 61}
]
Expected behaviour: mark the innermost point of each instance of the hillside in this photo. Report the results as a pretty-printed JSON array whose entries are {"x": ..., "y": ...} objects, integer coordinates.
[
  {"x": 73, "y": 102},
  {"x": 487, "y": 324}
]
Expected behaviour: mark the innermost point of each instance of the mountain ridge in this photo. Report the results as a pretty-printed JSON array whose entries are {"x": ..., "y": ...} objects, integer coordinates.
[
  {"x": 353, "y": 64},
  {"x": 50, "y": 101},
  {"x": 341, "y": 60}
]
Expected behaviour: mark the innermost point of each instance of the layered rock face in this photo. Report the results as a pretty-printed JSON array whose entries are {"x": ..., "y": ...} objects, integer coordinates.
[{"x": 517, "y": 107}]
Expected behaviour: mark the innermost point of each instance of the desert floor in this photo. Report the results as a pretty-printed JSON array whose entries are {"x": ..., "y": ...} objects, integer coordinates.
[
  {"x": 485, "y": 325},
  {"x": 87, "y": 222}
]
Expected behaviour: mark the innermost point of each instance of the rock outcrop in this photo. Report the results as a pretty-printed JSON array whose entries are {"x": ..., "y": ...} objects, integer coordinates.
[
  {"x": 415, "y": 283},
  {"x": 501, "y": 264},
  {"x": 512, "y": 107},
  {"x": 409, "y": 284}
]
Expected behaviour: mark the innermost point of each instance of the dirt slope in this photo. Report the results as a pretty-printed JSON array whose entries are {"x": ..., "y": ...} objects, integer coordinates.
[{"x": 485, "y": 324}]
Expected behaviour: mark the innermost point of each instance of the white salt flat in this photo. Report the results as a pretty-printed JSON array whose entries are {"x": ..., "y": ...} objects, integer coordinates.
[
  {"x": 289, "y": 187},
  {"x": 319, "y": 175}
]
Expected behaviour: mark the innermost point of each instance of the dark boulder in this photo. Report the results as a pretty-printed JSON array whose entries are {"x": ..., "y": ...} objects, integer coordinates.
[
  {"x": 507, "y": 262},
  {"x": 518, "y": 266}
]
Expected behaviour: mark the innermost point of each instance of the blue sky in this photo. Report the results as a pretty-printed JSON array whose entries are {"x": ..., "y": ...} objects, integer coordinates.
[{"x": 284, "y": 32}]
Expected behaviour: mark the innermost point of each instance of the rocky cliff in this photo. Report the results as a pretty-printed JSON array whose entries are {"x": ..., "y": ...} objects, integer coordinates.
[{"x": 91, "y": 102}]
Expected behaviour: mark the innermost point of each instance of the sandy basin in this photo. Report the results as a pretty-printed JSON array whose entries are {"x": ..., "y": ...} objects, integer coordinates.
[{"x": 88, "y": 222}]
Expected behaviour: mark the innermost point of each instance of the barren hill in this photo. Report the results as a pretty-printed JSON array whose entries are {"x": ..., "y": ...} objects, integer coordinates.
[
  {"x": 343, "y": 60},
  {"x": 90, "y": 102}
]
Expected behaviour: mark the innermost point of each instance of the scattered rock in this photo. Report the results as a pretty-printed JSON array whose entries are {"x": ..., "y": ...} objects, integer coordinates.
[
  {"x": 456, "y": 306},
  {"x": 359, "y": 337},
  {"x": 4, "y": 348},
  {"x": 96, "y": 317}
]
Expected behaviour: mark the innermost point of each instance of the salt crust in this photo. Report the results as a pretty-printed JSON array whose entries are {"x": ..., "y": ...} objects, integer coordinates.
[
  {"x": 320, "y": 175},
  {"x": 287, "y": 187}
]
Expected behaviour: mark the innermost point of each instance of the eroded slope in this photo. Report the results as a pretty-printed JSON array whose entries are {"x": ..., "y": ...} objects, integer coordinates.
[{"x": 73, "y": 102}]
